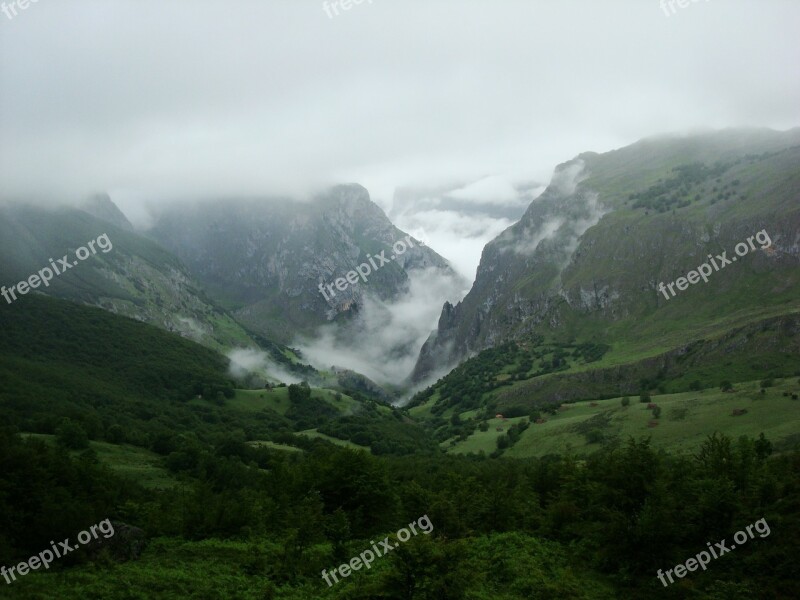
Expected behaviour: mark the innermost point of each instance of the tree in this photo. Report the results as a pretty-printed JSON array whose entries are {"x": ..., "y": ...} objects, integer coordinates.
[
  {"x": 626, "y": 401},
  {"x": 115, "y": 434},
  {"x": 696, "y": 386},
  {"x": 644, "y": 397},
  {"x": 298, "y": 393},
  {"x": 71, "y": 435},
  {"x": 763, "y": 447},
  {"x": 595, "y": 436}
]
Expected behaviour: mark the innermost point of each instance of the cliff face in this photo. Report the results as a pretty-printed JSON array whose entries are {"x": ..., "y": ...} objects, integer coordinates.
[
  {"x": 265, "y": 259},
  {"x": 586, "y": 259}
]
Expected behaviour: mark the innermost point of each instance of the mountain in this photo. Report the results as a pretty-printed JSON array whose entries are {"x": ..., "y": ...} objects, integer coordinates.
[
  {"x": 102, "y": 207},
  {"x": 273, "y": 263},
  {"x": 128, "y": 274},
  {"x": 59, "y": 359},
  {"x": 574, "y": 285}
]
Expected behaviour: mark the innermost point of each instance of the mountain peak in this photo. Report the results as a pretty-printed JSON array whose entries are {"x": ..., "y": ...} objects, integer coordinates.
[{"x": 102, "y": 207}]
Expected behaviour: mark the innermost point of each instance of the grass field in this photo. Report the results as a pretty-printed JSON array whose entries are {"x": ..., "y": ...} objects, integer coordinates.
[
  {"x": 135, "y": 463},
  {"x": 686, "y": 420},
  {"x": 277, "y": 399},
  {"x": 313, "y": 433},
  {"x": 274, "y": 446}
]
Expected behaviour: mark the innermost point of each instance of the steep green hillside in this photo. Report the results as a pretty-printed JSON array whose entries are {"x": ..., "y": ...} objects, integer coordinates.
[
  {"x": 123, "y": 381},
  {"x": 585, "y": 262},
  {"x": 134, "y": 277}
]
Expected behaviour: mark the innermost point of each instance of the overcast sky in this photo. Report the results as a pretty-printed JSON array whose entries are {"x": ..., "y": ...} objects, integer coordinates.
[{"x": 153, "y": 99}]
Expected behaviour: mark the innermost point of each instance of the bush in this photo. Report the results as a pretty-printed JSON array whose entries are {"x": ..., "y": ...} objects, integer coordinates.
[
  {"x": 696, "y": 386},
  {"x": 595, "y": 436},
  {"x": 765, "y": 383},
  {"x": 115, "y": 434},
  {"x": 71, "y": 435},
  {"x": 726, "y": 386},
  {"x": 644, "y": 397},
  {"x": 626, "y": 401}
]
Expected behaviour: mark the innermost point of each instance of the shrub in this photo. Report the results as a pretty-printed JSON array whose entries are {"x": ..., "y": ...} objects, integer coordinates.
[
  {"x": 726, "y": 386},
  {"x": 71, "y": 435},
  {"x": 626, "y": 401},
  {"x": 595, "y": 436}
]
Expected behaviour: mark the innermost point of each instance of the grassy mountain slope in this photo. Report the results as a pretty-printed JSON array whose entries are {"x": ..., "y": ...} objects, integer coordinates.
[
  {"x": 686, "y": 419},
  {"x": 136, "y": 278},
  {"x": 583, "y": 266},
  {"x": 126, "y": 381},
  {"x": 585, "y": 261}
]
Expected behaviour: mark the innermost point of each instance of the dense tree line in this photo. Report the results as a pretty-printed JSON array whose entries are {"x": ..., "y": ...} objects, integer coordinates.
[{"x": 622, "y": 513}]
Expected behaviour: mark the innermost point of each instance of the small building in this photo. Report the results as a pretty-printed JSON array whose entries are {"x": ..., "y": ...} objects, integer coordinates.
[{"x": 499, "y": 416}]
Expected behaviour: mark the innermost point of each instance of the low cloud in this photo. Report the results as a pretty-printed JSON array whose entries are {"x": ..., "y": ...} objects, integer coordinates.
[
  {"x": 560, "y": 217},
  {"x": 247, "y": 363},
  {"x": 383, "y": 343}
]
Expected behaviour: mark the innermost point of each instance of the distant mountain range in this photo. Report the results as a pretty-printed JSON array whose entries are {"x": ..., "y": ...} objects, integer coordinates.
[{"x": 582, "y": 266}]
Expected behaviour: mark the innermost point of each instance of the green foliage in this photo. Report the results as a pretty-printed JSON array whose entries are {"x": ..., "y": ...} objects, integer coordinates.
[
  {"x": 675, "y": 191},
  {"x": 60, "y": 360},
  {"x": 500, "y": 527},
  {"x": 626, "y": 401},
  {"x": 468, "y": 384},
  {"x": 726, "y": 386},
  {"x": 71, "y": 435}
]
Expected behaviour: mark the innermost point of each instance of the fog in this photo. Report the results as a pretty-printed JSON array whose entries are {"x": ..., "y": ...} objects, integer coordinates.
[
  {"x": 452, "y": 113},
  {"x": 384, "y": 342},
  {"x": 152, "y": 100}
]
